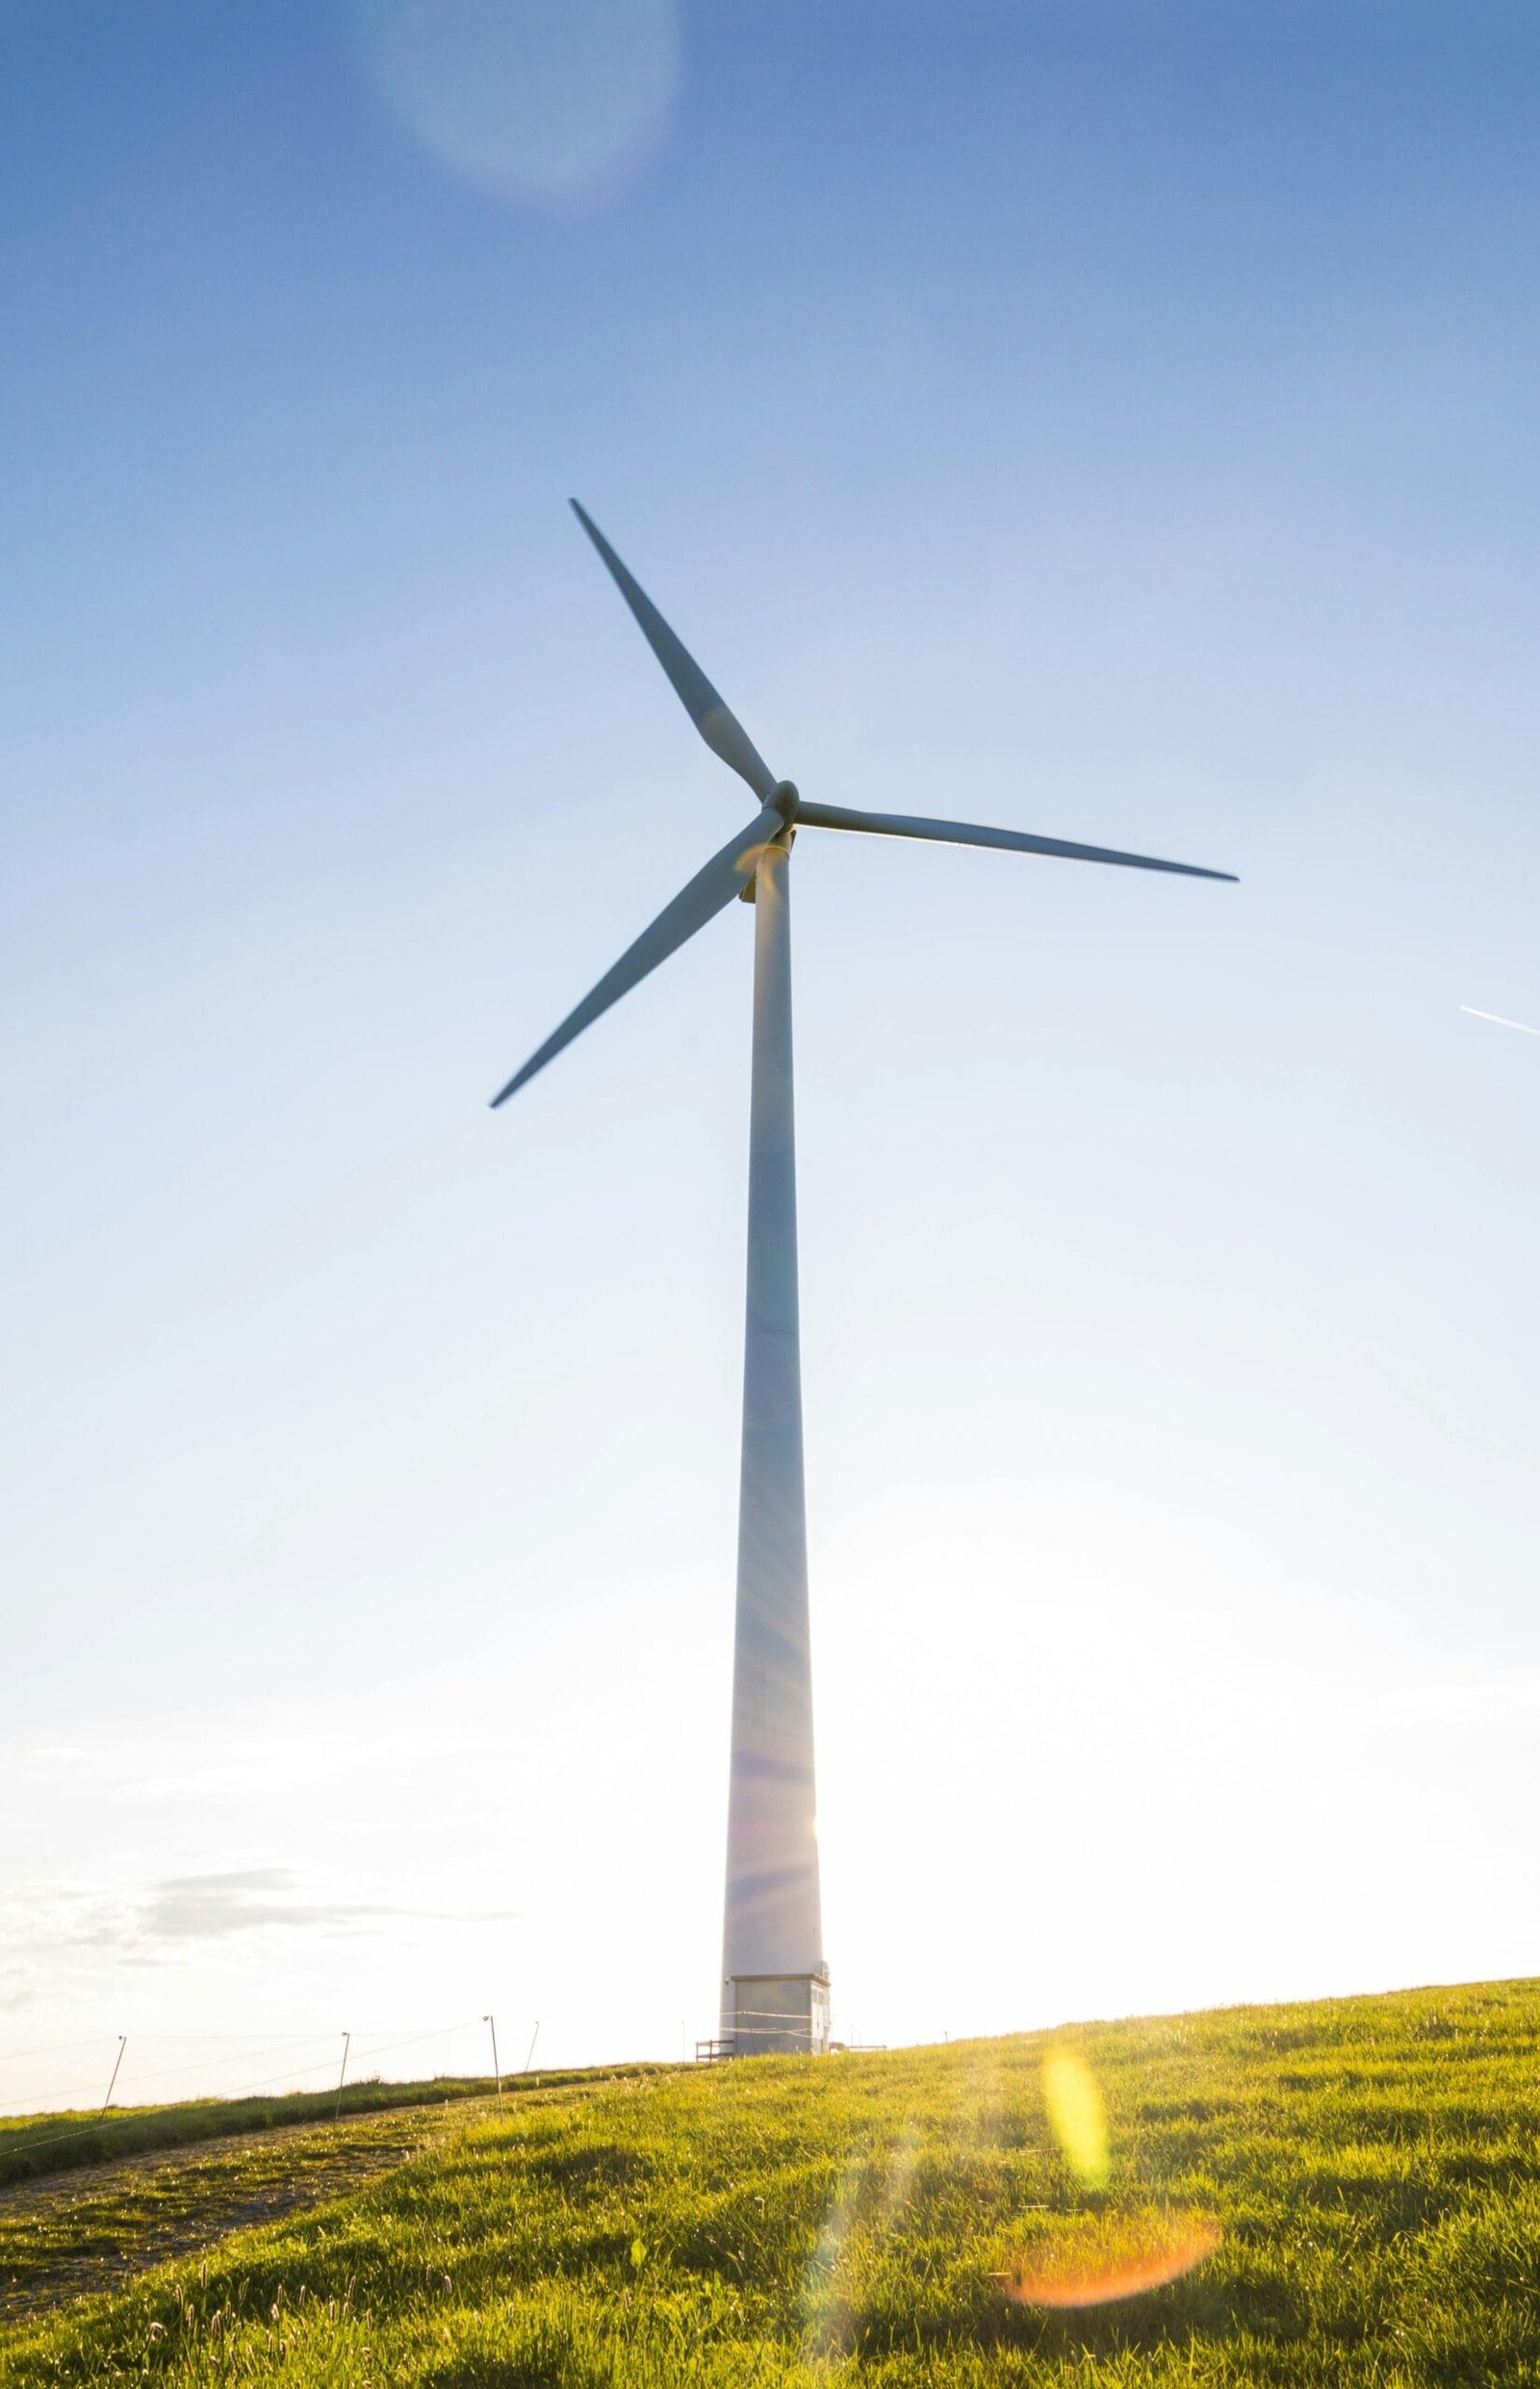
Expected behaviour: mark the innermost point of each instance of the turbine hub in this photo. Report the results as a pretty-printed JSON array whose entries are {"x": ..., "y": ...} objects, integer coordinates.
[{"x": 784, "y": 797}]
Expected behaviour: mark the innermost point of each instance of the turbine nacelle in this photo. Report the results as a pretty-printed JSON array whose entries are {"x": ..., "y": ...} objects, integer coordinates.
[{"x": 782, "y": 801}]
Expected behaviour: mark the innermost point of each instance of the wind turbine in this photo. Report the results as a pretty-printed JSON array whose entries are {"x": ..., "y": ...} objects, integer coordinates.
[{"x": 774, "y": 1980}]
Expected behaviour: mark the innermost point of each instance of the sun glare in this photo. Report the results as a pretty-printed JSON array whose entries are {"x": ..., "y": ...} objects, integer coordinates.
[
  {"x": 1092, "y": 2260},
  {"x": 553, "y": 101},
  {"x": 1078, "y": 2116}
]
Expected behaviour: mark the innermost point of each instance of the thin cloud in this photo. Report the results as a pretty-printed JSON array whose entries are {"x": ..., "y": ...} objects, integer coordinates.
[
  {"x": 1498, "y": 1019},
  {"x": 1485, "y": 1703},
  {"x": 198, "y": 1908},
  {"x": 144, "y": 1923}
]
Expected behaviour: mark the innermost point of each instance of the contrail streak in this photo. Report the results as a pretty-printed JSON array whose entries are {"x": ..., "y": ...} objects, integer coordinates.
[{"x": 1500, "y": 1021}]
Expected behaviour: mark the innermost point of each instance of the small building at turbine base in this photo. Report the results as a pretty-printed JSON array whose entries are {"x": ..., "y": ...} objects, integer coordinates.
[{"x": 776, "y": 2015}]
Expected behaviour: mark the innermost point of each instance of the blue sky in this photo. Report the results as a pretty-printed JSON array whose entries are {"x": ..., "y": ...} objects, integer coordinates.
[{"x": 1112, "y": 420}]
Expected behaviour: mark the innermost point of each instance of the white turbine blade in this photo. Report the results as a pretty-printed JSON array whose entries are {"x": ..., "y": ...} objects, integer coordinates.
[
  {"x": 718, "y": 725},
  {"x": 696, "y": 902},
  {"x": 972, "y": 834}
]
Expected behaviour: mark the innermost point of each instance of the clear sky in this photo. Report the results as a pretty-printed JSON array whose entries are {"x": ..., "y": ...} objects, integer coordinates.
[{"x": 1114, "y": 420}]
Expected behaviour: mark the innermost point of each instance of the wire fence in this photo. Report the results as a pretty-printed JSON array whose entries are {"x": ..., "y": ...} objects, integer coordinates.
[{"x": 124, "y": 2075}]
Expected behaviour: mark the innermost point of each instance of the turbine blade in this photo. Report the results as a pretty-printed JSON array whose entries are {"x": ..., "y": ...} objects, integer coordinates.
[
  {"x": 696, "y": 902},
  {"x": 973, "y": 833},
  {"x": 718, "y": 725}
]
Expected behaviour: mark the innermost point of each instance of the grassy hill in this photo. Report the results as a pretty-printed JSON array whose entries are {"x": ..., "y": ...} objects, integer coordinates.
[
  {"x": 1372, "y": 2164},
  {"x": 34, "y": 2146},
  {"x": 31, "y": 2146}
]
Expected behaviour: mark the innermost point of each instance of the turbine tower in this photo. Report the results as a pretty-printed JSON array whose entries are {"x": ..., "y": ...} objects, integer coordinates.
[{"x": 775, "y": 1980}]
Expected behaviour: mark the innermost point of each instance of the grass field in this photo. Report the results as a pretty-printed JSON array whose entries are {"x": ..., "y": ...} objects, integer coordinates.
[
  {"x": 1373, "y": 2167},
  {"x": 92, "y": 2230},
  {"x": 34, "y": 2146}
]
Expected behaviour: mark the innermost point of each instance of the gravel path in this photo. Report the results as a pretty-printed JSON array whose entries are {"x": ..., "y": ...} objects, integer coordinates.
[{"x": 91, "y": 2231}]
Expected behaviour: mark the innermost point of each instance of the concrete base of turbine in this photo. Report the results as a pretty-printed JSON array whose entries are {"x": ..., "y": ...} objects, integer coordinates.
[{"x": 776, "y": 2016}]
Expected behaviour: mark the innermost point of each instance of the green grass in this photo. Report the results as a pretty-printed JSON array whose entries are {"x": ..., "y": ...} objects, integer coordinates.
[
  {"x": 34, "y": 2146},
  {"x": 92, "y": 2230},
  {"x": 1373, "y": 2163}
]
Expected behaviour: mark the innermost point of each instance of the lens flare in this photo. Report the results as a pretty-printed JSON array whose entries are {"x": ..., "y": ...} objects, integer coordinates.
[
  {"x": 548, "y": 100},
  {"x": 873, "y": 2192},
  {"x": 1077, "y": 2115},
  {"x": 1092, "y": 2260}
]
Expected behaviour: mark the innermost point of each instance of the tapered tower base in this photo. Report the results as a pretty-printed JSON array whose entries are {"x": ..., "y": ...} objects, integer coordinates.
[
  {"x": 776, "y": 2016},
  {"x": 775, "y": 1983}
]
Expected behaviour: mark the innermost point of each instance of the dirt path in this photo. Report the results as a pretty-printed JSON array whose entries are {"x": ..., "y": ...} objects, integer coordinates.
[{"x": 94, "y": 2229}]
